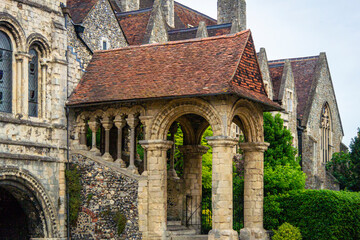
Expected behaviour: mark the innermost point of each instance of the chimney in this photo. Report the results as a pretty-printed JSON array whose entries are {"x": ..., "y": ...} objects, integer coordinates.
[
  {"x": 168, "y": 10},
  {"x": 130, "y": 5},
  {"x": 230, "y": 11}
]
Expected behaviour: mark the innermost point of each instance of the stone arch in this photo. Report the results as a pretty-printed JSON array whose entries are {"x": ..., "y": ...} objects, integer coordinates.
[
  {"x": 137, "y": 110},
  {"x": 326, "y": 106},
  {"x": 176, "y": 108},
  {"x": 36, "y": 39},
  {"x": 251, "y": 120},
  {"x": 82, "y": 117},
  {"x": 12, "y": 27},
  {"x": 186, "y": 127},
  {"x": 16, "y": 178}
]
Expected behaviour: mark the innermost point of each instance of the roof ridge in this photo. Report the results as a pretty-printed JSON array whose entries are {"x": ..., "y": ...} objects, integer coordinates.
[
  {"x": 188, "y": 8},
  {"x": 293, "y": 59},
  {"x": 211, "y": 27},
  {"x": 175, "y": 42}
]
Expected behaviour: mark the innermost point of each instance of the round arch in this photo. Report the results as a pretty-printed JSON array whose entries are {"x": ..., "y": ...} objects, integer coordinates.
[
  {"x": 177, "y": 108},
  {"x": 38, "y": 40},
  {"x": 34, "y": 197},
  {"x": 251, "y": 120},
  {"x": 12, "y": 27}
]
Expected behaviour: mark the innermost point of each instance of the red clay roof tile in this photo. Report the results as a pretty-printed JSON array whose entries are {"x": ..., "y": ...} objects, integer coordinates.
[
  {"x": 210, "y": 66},
  {"x": 79, "y": 9}
]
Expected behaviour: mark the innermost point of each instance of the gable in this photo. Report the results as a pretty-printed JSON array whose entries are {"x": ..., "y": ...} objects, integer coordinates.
[{"x": 79, "y": 9}]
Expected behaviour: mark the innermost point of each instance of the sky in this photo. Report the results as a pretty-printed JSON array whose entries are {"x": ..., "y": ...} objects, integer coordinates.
[{"x": 300, "y": 28}]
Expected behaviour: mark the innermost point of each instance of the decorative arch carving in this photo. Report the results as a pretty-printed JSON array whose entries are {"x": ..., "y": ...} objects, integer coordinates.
[
  {"x": 176, "y": 108},
  {"x": 41, "y": 42},
  {"x": 137, "y": 110},
  {"x": 13, "y": 27},
  {"x": 251, "y": 120},
  {"x": 25, "y": 179}
]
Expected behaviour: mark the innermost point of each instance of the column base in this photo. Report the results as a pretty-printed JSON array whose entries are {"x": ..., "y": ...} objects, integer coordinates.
[
  {"x": 95, "y": 151},
  {"x": 107, "y": 157},
  {"x": 133, "y": 170},
  {"x": 121, "y": 162},
  {"x": 253, "y": 234},
  {"x": 223, "y": 235},
  {"x": 82, "y": 147}
]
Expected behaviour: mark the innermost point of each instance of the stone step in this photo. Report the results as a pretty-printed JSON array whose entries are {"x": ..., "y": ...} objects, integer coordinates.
[
  {"x": 185, "y": 232},
  {"x": 176, "y": 227},
  {"x": 173, "y": 223},
  {"x": 189, "y": 237}
]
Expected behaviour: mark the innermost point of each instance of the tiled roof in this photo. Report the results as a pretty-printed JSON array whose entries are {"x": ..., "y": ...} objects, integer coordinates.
[
  {"x": 189, "y": 33},
  {"x": 276, "y": 72},
  {"x": 115, "y": 6},
  {"x": 134, "y": 24},
  {"x": 210, "y": 66},
  {"x": 185, "y": 16},
  {"x": 79, "y": 9},
  {"x": 304, "y": 74}
]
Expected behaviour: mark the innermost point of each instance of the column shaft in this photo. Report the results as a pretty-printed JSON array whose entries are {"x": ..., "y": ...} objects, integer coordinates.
[{"x": 107, "y": 124}]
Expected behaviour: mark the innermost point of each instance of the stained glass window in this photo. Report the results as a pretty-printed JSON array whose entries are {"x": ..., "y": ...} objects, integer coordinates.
[
  {"x": 5, "y": 73},
  {"x": 33, "y": 83}
]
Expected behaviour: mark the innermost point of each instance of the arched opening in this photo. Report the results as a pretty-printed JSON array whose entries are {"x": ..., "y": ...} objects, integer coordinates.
[
  {"x": 5, "y": 73},
  {"x": 325, "y": 126},
  {"x": 188, "y": 170}
]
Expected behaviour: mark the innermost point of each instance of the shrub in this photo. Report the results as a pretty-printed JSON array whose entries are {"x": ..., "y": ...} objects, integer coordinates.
[
  {"x": 120, "y": 220},
  {"x": 319, "y": 214},
  {"x": 287, "y": 232},
  {"x": 74, "y": 188}
]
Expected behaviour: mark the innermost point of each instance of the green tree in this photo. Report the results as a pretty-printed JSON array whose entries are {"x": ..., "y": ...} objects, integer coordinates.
[{"x": 355, "y": 158}]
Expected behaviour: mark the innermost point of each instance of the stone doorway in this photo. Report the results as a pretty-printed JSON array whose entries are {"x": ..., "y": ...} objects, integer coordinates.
[{"x": 13, "y": 220}]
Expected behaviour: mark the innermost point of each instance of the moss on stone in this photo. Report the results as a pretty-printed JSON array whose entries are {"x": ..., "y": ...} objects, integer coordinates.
[{"x": 120, "y": 220}]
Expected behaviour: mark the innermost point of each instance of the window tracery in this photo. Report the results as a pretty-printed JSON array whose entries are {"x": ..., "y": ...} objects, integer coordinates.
[
  {"x": 5, "y": 73},
  {"x": 325, "y": 133}
]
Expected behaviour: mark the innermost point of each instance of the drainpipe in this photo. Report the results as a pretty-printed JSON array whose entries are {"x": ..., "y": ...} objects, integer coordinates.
[{"x": 300, "y": 131}]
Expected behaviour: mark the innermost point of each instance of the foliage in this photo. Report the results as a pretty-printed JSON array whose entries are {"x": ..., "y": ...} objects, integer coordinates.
[
  {"x": 341, "y": 167},
  {"x": 74, "y": 188},
  {"x": 287, "y": 232},
  {"x": 345, "y": 167},
  {"x": 280, "y": 151},
  {"x": 281, "y": 179},
  {"x": 120, "y": 220},
  {"x": 319, "y": 214},
  {"x": 207, "y": 160}
]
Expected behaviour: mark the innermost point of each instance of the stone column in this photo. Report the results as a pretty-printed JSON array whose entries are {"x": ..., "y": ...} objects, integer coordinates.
[
  {"x": 132, "y": 121},
  {"x": 42, "y": 89},
  {"x": 107, "y": 124},
  {"x": 145, "y": 120},
  {"x": 82, "y": 136},
  {"x": 222, "y": 188},
  {"x": 20, "y": 89},
  {"x": 172, "y": 173},
  {"x": 94, "y": 126},
  {"x": 120, "y": 124},
  {"x": 193, "y": 179},
  {"x": 156, "y": 215},
  {"x": 253, "y": 190}
]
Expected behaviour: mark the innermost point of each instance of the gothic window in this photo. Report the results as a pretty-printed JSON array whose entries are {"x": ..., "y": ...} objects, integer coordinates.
[
  {"x": 5, "y": 73},
  {"x": 33, "y": 83},
  {"x": 325, "y": 133},
  {"x": 289, "y": 101}
]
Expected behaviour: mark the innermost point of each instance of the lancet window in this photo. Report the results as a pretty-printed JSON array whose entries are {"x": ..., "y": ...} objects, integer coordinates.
[{"x": 5, "y": 73}]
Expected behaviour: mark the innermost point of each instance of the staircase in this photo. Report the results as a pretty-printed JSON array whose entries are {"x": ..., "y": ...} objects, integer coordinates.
[{"x": 176, "y": 231}]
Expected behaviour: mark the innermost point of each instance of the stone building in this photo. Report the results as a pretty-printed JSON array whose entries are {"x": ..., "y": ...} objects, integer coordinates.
[{"x": 75, "y": 86}]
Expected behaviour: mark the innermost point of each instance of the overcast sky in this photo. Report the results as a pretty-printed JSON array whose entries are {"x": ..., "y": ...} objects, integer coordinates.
[{"x": 299, "y": 28}]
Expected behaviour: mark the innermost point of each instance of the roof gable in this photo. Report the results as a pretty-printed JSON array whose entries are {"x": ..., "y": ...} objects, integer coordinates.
[
  {"x": 185, "y": 17},
  {"x": 79, "y": 9},
  {"x": 187, "y": 68}
]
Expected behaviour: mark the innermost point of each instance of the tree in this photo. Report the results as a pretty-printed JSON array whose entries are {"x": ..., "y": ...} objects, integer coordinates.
[{"x": 355, "y": 159}]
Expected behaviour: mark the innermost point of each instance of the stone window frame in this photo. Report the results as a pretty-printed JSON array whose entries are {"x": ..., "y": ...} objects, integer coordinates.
[
  {"x": 37, "y": 81},
  {"x": 289, "y": 100},
  {"x": 11, "y": 84},
  {"x": 325, "y": 133},
  {"x": 102, "y": 41}
]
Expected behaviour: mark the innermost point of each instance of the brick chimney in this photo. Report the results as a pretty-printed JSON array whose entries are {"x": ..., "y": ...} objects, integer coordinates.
[{"x": 232, "y": 11}]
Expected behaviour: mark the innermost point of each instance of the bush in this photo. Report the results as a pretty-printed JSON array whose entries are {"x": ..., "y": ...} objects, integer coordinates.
[
  {"x": 319, "y": 214},
  {"x": 120, "y": 220},
  {"x": 74, "y": 188},
  {"x": 287, "y": 232}
]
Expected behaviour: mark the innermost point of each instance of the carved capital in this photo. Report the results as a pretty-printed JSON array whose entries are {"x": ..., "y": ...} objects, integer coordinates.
[
  {"x": 119, "y": 122},
  {"x": 219, "y": 141},
  {"x": 151, "y": 145},
  {"x": 193, "y": 149},
  {"x": 254, "y": 146},
  {"x": 106, "y": 123},
  {"x": 132, "y": 121},
  {"x": 94, "y": 126}
]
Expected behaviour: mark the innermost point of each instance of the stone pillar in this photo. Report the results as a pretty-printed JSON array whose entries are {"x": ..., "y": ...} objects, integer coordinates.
[
  {"x": 222, "y": 188},
  {"x": 82, "y": 136},
  {"x": 193, "y": 179},
  {"x": 156, "y": 216},
  {"x": 21, "y": 88},
  {"x": 94, "y": 126},
  {"x": 132, "y": 122},
  {"x": 43, "y": 89},
  {"x": 107, "y": 124},
  {"x": 253, "y": 191},
  {"x": 145, "y": 120},
  {"x": 120, "y": 124},
  {"x": 172, "y": 173}
]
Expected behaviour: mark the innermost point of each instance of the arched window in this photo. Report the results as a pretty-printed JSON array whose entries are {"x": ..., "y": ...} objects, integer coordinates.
[
  {"x": 325, "y": 133},
  {"x": 5, "y": 73},
  {"x": 33, "y": 83}
]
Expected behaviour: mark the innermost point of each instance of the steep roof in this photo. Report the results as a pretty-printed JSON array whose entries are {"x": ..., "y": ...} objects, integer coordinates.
[
  {"x": 276, "y": 72},
  {"x": 185, "y": 17},
  {"x": 209, "y": 66},
  {"x": 134, "y": 24},
  {"x": 304, "y": 70},
  {"x": 79, "y": 9},
  {"x": 189, "y": 33}
]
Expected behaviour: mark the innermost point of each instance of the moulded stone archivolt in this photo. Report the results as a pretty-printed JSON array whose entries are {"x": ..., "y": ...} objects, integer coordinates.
[
  {"x": 40, "y": 41},
  {"x": 179, "y": 107},
  {"x": 26, "y": 179},
  {"x": 251, "y": 118},
  {"x": 13, "y": 27}
]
